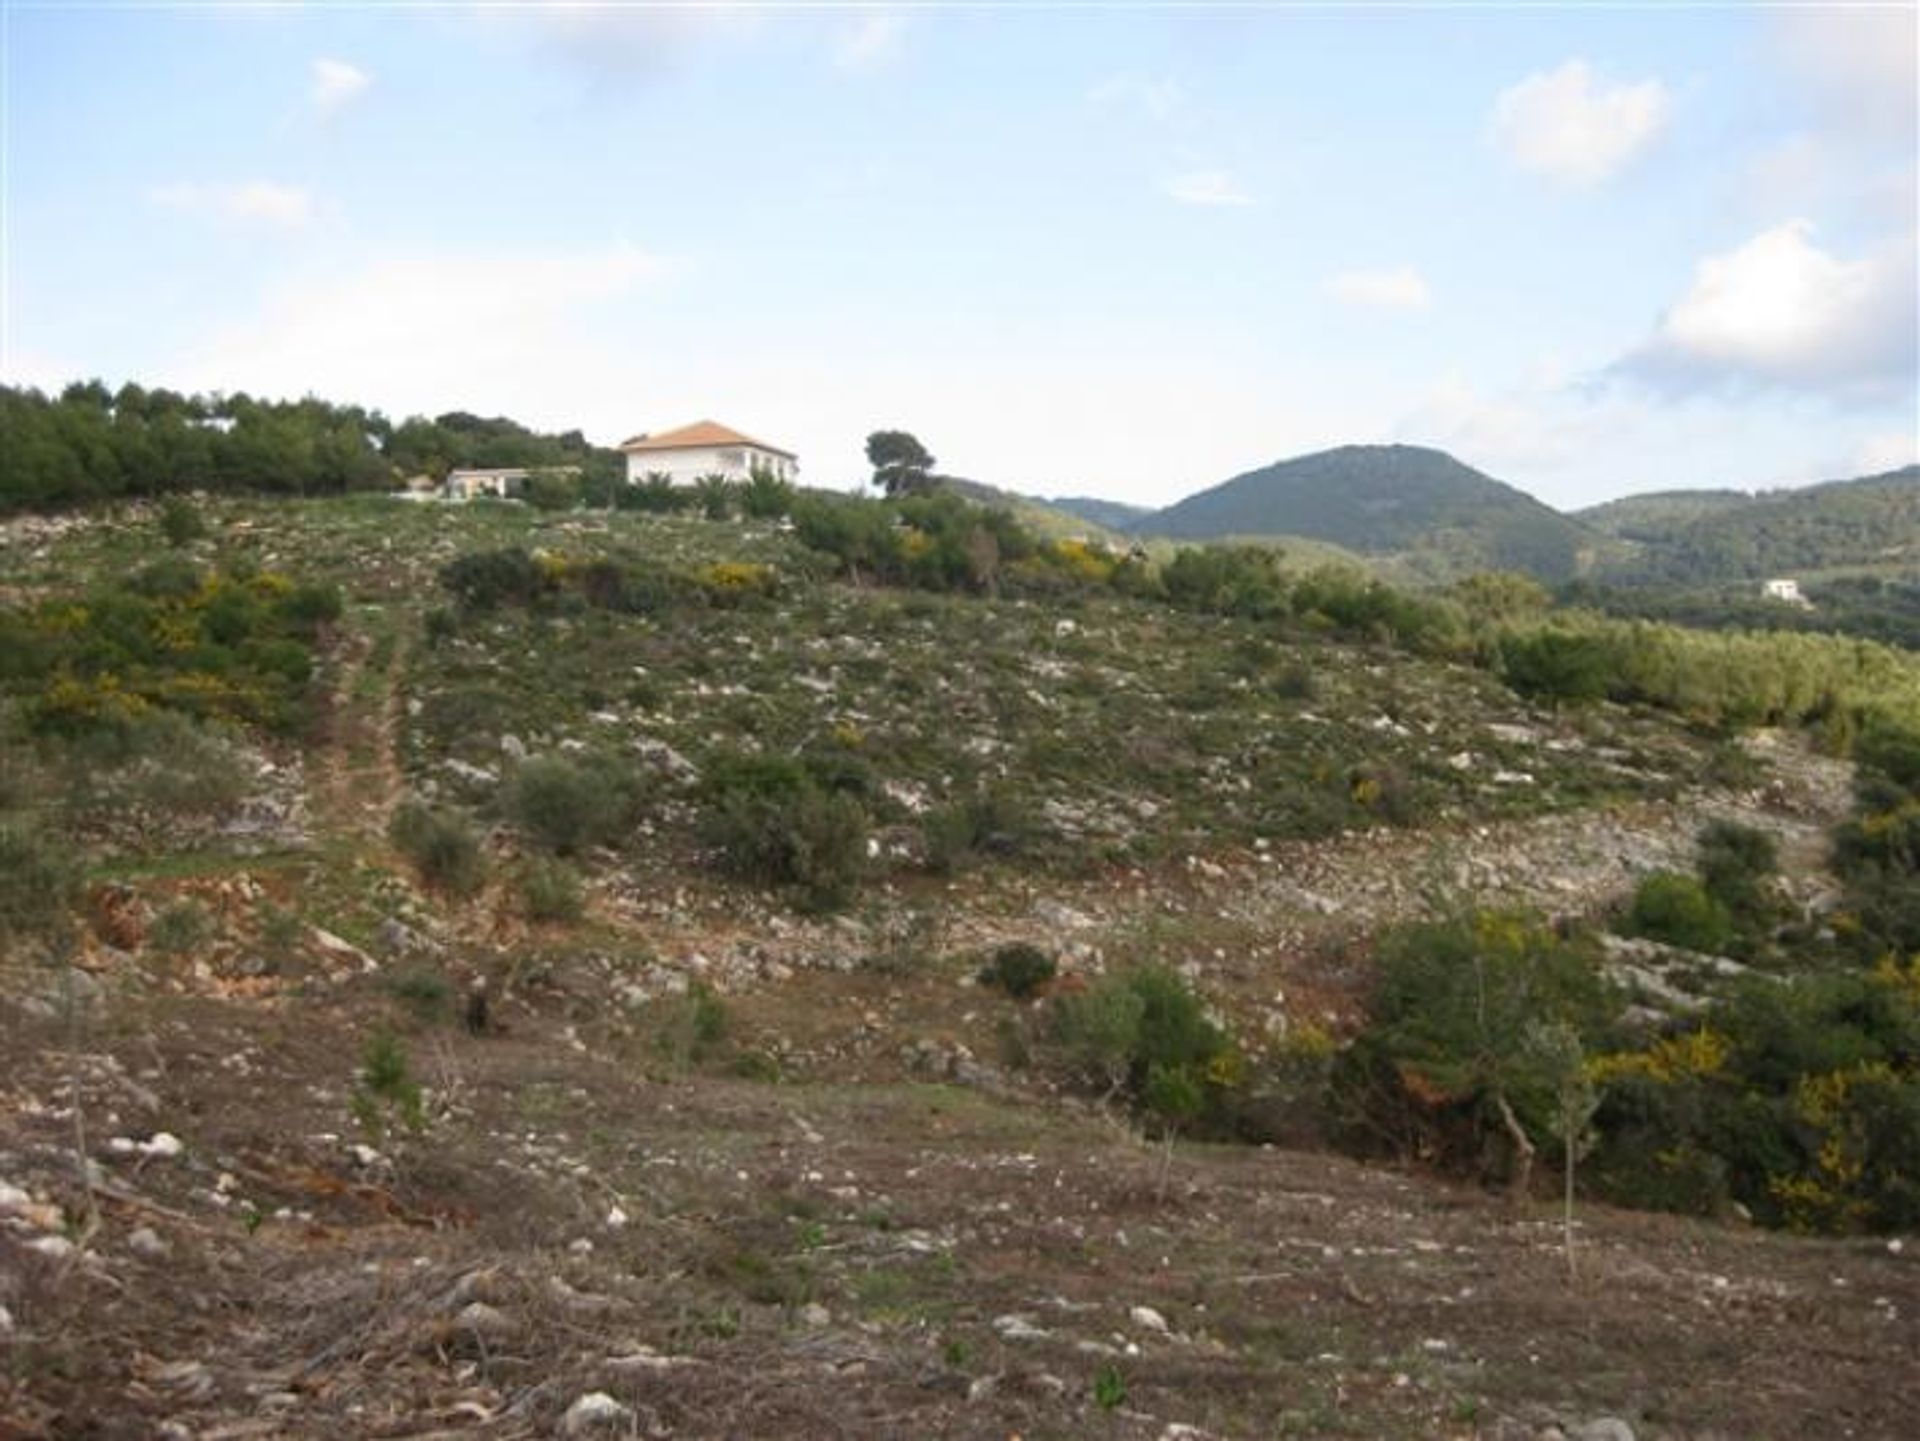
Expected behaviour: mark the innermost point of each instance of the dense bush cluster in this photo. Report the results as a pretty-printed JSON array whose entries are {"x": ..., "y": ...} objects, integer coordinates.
[
  {"x": 1795, "y": 1096},
  {"x": 443, "y": 846},
  {"x": 481, "y": 581},
  {"x": 1719, "y": 680},
  {"x": 1443, "y": 1068},
  {"x": 90, "y": 444},
  {"x": 231, "y": 645},
  {"x": 794, "y": 823},
  {"x": 1143, "y": 1035},
  {"x": 568, "y": 804}
]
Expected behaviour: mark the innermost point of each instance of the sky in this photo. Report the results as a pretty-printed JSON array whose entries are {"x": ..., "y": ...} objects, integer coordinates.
[{"x": 1125, "y": 252}]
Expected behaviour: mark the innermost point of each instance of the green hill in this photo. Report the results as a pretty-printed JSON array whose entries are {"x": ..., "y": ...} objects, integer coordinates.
[
  {"x": 1113, "y": 514},
  {"x": 1871, "y": 523},
  {"x": 1401, "y": 500},
  {"x": 1658, "y": 512}
]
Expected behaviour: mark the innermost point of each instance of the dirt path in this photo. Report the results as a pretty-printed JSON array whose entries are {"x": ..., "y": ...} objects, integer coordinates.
[{"x": 355, "y": 777}]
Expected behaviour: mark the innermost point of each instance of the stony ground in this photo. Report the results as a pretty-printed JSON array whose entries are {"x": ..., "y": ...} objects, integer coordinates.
[{"x": 724, "y": 1257}]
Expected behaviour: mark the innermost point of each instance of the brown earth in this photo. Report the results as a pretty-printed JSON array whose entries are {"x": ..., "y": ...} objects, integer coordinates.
[{"x": 976, "y": 1256}]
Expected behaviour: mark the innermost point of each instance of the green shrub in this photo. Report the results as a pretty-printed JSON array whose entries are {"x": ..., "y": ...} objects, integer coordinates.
[
  {"x": 552, "y": 491},
  {"x": 442, "y": 845},
  {"x": 180, "y": 523},
  {"x": 690, "y": 1029},
  {"x": 1144, "y": 1033},
  {"x": 427, "y": 993},
  {"x": 568, "y": 805},
  {"x": 652, "y": 494},
  {"x": 384, "y": 1090},
  {"x": 1020, "y": 970},
  {"x": 180, "y": 927},
  {"x": 281, "y": 932},
  {"x": 991, "y": 822},
  {"x": 1678, "y": 910},
  {"x": 484, "y": 580},
  {"x": 1556, "y": 665},
  {"x": 1735, "y": 862},
  {"x": 39, "y": 883},
  {"x": 550, "y": 890},
  {"x": 1440, "y": 1065},
  {"x": 715, "y": 496},
  {"x": 765, "y": 496},
  {"x": 775, "y": 822},
  {"x": 1242, "y": 580},
  {"x": 1798, "y": 1098}
]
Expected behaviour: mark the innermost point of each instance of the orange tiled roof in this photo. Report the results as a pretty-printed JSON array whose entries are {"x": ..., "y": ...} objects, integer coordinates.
[{"x": 699, "y": 435}]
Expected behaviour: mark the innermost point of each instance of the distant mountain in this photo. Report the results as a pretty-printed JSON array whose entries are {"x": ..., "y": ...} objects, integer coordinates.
[
  {"x": 1113, "y": 514},
  {"x": 1871, "y": 523},
  {"x": 1441, "y": 516}
]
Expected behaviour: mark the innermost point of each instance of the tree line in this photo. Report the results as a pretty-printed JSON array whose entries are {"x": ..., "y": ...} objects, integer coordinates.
[{"x": 90, "y": 444}]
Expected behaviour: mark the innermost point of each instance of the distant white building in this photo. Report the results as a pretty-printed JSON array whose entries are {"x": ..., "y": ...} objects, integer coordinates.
[
  {"x": 1786, "y": 591},
  {"x": 705, "y": 448},
  {"x": 504, "y": 483}
]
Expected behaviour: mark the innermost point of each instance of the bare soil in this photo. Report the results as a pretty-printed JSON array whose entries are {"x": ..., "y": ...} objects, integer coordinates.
[{"x": 662, "y": 1233}]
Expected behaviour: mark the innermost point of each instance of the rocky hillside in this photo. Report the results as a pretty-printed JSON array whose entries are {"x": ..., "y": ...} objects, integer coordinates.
[{"x": 412, "y": 1066}]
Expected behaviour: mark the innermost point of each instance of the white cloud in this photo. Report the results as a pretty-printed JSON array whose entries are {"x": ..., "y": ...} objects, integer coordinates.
[
  {"x": 1861, "y": 65},
  {"x": 1574, "y": 127},
  {"x": 1779, "y": 310},
  {"x": 334, "y": 83},
  {"x": 260, "y": 201},
  {"x": 518, "y": 334},
  {"x": 1399, "y": 288},
  {"x": 620, "y": 40},
  {"x": 1157, "y": 98},
  {"x": 1520, "y": 433},
  {"x": 1205, "y": 187},
  {"x": 870, "y": 41}
]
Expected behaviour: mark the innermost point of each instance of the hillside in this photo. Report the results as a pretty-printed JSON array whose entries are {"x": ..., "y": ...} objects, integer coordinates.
[
  {"x": 1872, "y": 522},
  {"x": 1044, "y": 517},
  {"x": 1115, "y": 515},
  {"x": 1386, "y": 500},
  {"x": 1658, "y": 512},
  {"x": 453, "y": 1021}
]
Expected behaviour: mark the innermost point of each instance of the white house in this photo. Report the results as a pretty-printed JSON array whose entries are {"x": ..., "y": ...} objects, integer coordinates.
[
  {"x": 503, "y": 483},
  {"x": 705, "y": 448},
  {"x": 1787, "y": 591}
]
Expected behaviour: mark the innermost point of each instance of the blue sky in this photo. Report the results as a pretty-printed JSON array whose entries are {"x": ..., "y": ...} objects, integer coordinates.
[{"x": 1118, "y": 252}]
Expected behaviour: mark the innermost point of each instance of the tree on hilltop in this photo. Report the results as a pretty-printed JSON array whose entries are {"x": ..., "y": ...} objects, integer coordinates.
[{"x": 901, "y": 464}]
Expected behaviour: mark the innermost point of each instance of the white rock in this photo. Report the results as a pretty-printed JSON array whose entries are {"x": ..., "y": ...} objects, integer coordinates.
[
  {"x": 6, "y": 1321},
  {"x": 815, "y": 1315},
  {"x": 592, "y": 1412},
  {"x": 163, "y": 1144},
  {"x": 616, "y": 1218},
  {"x": 1017, "y": 1328},
  {"x": 57, "y": 1248},
  {"x": 147, "y": 1242},
  {"x": 1148, "y": 1319},
  {"x": 12, "y": 1198},
  {"x": 1604, "y": 1428}
]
